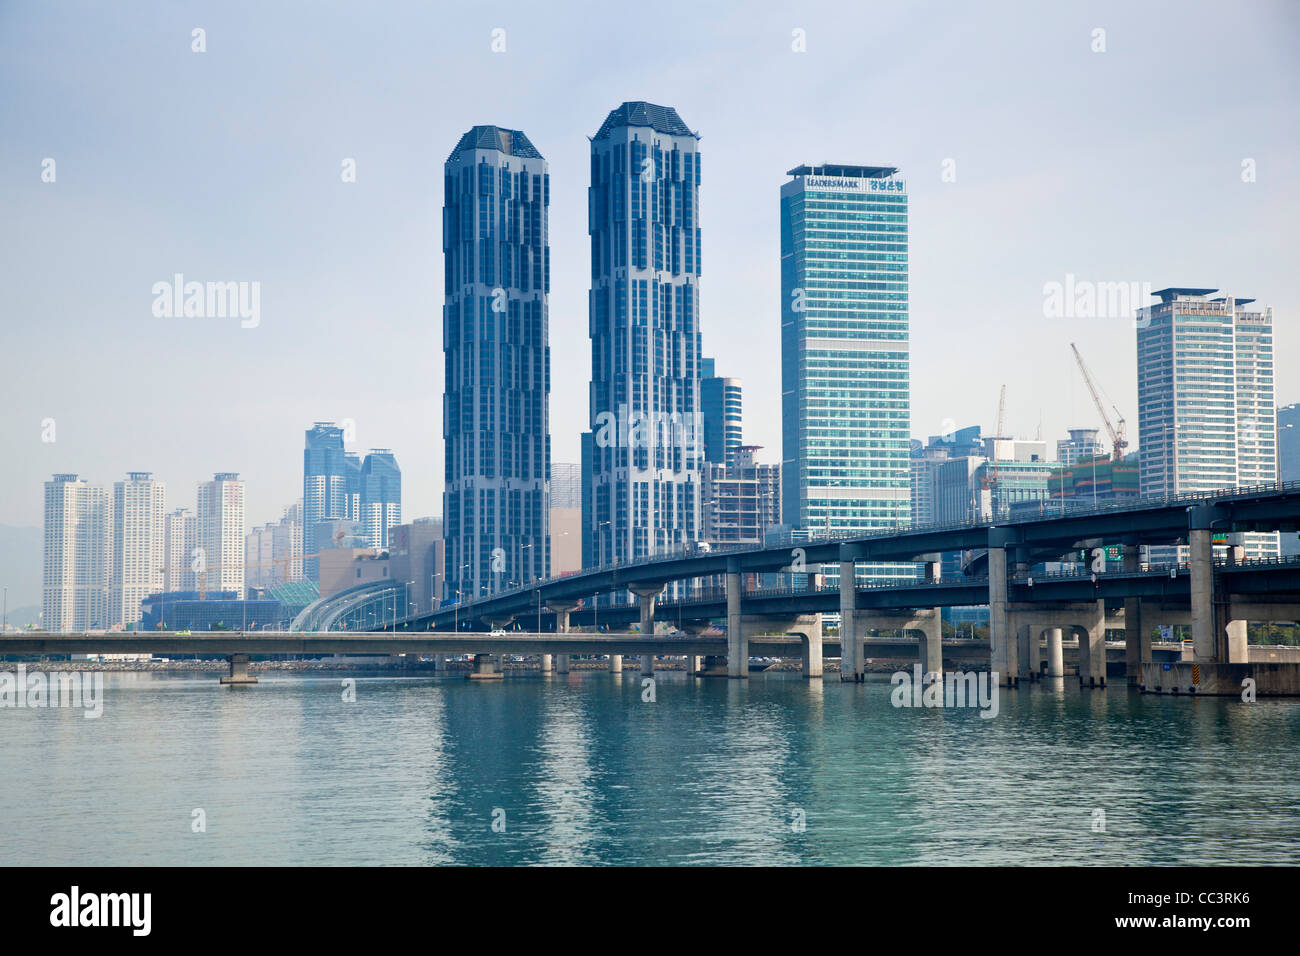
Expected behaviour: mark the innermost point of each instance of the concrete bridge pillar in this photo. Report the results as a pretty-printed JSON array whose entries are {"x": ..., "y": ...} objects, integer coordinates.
[
  {"x": 1027, "y": 629},
  {"x": 238, "y": 671},
  {"x": 1238, "y": 649},
  {"x": 547, "y": 664},
  {"x": 851, "y": 667},
  {"x": 485, "y": 668},
  {"x": 931, "y": 643},
  {"x": 561, "y": 612},
  {"x": 646, "y": 595},
  {"x": 809, "y": 629},
  {"x": 1233, "y": 632},
  {"x": 1201, "y": 560},
  {"x": 695, "y": 662},
  {"x": 713, "y": 666},
  {"x": 1055, "y": 652},
  {"x": 616, "y": 663},
  {"x": 1137, "y": 633},
  {"x": 1002, "y": 640},
  {"x": 737, "y": 642},
  {"x": 1092, "y": 649}
]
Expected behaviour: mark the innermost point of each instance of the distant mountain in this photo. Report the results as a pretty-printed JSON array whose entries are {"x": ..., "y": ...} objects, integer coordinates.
[
  {"x": 23, "y": 616},
  {"x": 20, "y": 565}
]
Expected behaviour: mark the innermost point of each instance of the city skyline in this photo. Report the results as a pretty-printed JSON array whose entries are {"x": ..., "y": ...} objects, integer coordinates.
[
  {"x": 726, "y": 435},
  {"x": 974, "y": 298}
]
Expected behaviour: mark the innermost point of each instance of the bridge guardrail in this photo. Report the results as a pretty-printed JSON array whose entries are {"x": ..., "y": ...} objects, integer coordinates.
[{"x": 790, "y": 539}]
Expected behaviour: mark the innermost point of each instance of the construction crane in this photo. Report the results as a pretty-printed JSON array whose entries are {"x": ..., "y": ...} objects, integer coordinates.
[
  {"x": 997, "y": 433},
  {"x": 1116, "y": 431}
]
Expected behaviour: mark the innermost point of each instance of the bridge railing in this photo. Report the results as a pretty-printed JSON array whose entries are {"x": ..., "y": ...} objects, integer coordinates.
[
  {"x": 796, "y": 539},
  {"x": 1161, "y": 568}
]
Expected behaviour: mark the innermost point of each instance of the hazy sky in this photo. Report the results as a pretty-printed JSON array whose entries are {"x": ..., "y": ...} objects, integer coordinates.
[{"x": 1118, "y": 166}]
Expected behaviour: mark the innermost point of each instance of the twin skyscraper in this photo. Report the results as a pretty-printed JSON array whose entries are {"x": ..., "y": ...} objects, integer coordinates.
[{"x": 846, "y": 290}]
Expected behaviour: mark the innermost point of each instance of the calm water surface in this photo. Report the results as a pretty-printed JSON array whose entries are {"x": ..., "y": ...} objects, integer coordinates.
[{"x": 585, "y": 772}]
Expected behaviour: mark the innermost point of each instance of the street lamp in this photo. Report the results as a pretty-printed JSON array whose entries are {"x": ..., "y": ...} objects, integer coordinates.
[{"x": 522, "y": 547}]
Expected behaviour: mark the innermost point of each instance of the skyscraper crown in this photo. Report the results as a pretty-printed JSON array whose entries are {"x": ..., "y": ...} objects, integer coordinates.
[
  {"x": 664, "y": 119},
  {"x": 512, "y": 142}
]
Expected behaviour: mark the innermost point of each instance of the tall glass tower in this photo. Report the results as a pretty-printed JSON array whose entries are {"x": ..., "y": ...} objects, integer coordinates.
[
  {"x": 329, "y": 475},
  {"x": 721, "y": 409},
  {"x": 642, "y": 457},
  {"x": 845, "y": 410},
  {"x": 496, "y": 406},
  {"x": 381, "y": 496}
]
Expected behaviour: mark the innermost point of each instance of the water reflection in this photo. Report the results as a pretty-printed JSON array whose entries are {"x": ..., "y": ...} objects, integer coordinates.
[{"x": 584, "y": 769}]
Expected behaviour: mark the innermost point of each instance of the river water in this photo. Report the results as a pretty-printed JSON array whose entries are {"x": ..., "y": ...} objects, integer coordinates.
[{"x": 582, "y": 769}]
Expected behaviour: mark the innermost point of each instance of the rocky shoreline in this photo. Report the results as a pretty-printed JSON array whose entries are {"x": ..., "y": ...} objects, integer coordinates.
[{"x": 399, "y": 665}]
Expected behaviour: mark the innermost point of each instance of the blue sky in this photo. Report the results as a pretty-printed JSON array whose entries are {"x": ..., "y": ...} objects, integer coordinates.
[{"x": 1121, "y": 166}]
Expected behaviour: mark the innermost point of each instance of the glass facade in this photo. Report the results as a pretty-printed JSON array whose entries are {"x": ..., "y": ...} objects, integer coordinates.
[
  {"x": 327, "y": 487},
  {"x": 844, "y": 350},
  {"x": 642, "y": 458},
  {"x": 1206, "y": 412},
  {"x": 381, "y": 496},
  {"x": 496, "y": 404},
  {"x": 721, "y": 408}
]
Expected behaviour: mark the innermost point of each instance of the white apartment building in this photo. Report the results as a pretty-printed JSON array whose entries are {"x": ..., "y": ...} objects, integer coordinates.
[
  {"x": 139, "y": 551},
  {"x": 78, "y": 519}
]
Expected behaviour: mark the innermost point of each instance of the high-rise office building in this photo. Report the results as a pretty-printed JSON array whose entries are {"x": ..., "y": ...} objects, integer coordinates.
[
  {"x": 566, "y": 485},
  {"x": 1014, "y": 479},
  {"x": 720, "y": 406},
  {"x": 643, "y": 454},
  {"x": 1288, "y": 463},
  {"x": 139, "y": 545},
  {"x": 352, "y": 466},
  {"x": 741, "y": 501},
  {"x": 844, "y": 349},
  {"x": 381, "y": 496},
  {"x": 259, "y": 560},
  {"x": 273, "y": 552},
  {"x": 219, "y": 530},
  {"x": 928, "y": 458},
  {"x": 1288, "y": 442},
  {"x": 1082, "y": 443},
  {"x": 496, "y": 407},
  {"x": 1007, "y": 476},
  {"x": 1206, "y": 412},
  {"x": 287, "y": 547},
  {"x": 77, "y": 558},
  {"x": 329, "y": 478},
  {"x": 181, "y": 539}
]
